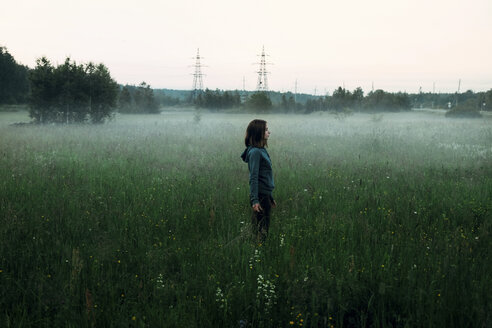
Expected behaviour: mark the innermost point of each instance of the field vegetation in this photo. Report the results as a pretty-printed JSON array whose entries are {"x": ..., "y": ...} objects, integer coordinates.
[{"x": 382, "y": 220}]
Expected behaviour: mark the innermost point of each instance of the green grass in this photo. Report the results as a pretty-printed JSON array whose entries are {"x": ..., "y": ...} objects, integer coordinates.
[{"x": 141, "y": 223}]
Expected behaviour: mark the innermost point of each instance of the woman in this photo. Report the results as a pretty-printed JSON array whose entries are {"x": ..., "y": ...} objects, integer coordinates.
[{"x": 260, "y": 176}]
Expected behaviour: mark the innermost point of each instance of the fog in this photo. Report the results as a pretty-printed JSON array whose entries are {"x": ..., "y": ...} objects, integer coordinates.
[
  {"x": 420, "y": 134},
  {"x": 425, "y": 127}
]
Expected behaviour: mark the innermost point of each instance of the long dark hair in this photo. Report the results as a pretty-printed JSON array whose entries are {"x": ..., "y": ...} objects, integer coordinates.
[{"x": 255, "y": 134}]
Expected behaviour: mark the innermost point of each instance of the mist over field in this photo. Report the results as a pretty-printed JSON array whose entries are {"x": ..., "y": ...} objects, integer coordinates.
[{"x": 382, "y": 220}]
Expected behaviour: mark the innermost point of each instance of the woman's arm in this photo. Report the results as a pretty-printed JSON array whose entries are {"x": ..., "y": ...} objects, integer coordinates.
[{"x": 254, "y": 171}]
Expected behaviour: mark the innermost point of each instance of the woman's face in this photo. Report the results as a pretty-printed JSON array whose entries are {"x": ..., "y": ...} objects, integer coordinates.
[{"x": 267, "y": 132}]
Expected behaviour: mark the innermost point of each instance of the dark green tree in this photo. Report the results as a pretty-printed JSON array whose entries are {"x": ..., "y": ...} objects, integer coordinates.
[
  {"x": 125, "y": 100},
  {"x": 14, "y": 82},
  {"x": 198, "y": 99},
  {"x": 144, "y": 99},
  {"x": 165, "y": 100},
  {"x": 385, "y": 101},
  {"x": 236, "y": 99},
  {"x": 259, "y": 101},
  {"x": 357, "y": 97},
  {"x": 283, "y": 102},
  {"x": 315, "y": 104},
  {"x": 71, "y": 93},
  {"x": 103, "y": 92},
  {"x": 487, "y": 101},
  {"x": 43, "y": 92},
  {"x": 341, "y": 98},
  {"x": 211, "y": 99},
  {"x": 216, "y": 100},
  {"x": 288, "y": 102}
]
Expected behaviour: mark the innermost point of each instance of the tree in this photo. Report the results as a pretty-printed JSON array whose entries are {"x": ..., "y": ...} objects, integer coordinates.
[
  {"x": 43, "y": 91},
  {"x": 288, "y": 104},
  {"x": 259, "y": 101},
  {"x": 217, "y": 99},
  {"x": 144, "y": 99},
  {"x": 315, "y": 104},
  {"x": 468, "y": 108},
  {"x": 103, "y": 91},
  {"x": 487, "y": 101},
  {"x": 384, "y": 101},
  {"x": 125, "y": 100},
  {"x": 14, "y": 82},
  {"x": 164, "y": 99},
  {"x": 71, "y": 93},
  {"x": 284, "y": 103},
  {"x": 341, "y": 98},
  {"x": 358, "y": 97}
]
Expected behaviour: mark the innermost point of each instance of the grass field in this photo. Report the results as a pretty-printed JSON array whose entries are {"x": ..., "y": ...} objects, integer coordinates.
[{"x": 382, "y": 221}]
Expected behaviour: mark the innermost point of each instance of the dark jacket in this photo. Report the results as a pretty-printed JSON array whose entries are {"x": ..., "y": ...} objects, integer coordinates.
[{"x": 260, "y": 172}]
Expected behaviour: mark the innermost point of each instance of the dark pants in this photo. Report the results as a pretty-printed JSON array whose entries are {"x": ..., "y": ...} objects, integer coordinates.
[{"x": 260, "y": 221}]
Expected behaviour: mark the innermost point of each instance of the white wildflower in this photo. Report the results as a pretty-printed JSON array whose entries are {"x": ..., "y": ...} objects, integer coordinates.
[
  {"x": 254, "y": 259},
  {"x": 219, "y": 297},
  {"x": 265, "y": 293},
  {"x": 160, "y": 281}
]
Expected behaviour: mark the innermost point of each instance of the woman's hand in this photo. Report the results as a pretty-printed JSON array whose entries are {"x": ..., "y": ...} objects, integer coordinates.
[
  {"x": 274, "y": 204},
  {"x": 257, "y": 207}
]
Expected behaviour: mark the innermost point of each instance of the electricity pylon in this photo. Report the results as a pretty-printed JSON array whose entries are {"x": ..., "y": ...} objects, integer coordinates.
[
  {"x": 197, "y": 76},
  {"x": 262, "y": 84}
]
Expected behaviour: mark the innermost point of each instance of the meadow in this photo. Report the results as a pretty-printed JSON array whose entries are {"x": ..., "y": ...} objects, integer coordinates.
[{"x": 382, "y": 221}]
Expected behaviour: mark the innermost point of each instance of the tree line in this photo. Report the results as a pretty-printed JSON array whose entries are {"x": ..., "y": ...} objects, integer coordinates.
[
  {"x": 219, "y": 100},
  {"x": 341, "y": 100},
  {"x": 215, "y": 100},
  {"x": 465, "y": 100},
  {"x": 72, "y": 93}
]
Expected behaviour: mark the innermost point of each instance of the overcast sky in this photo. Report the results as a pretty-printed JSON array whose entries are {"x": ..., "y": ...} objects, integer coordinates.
[{"x": 397, "y": 45}]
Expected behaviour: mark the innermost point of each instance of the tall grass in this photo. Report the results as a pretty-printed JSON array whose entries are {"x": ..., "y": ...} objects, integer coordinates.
[{"x": 143, "y": 222}]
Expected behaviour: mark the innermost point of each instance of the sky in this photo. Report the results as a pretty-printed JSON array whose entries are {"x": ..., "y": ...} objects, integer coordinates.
[{"x": 394, "y": 45}]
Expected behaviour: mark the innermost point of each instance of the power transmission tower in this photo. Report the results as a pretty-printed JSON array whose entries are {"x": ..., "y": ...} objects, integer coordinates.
[
  {"x": 197, "y": 76},
  {"x": 262, "y": 84}
]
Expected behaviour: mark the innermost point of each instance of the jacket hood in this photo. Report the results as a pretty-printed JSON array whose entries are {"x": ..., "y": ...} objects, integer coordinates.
[{"x": 244, "y": 155}]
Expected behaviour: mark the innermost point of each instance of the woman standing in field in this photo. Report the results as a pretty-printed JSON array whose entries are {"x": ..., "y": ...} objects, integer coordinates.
[{"x": 260, "y": 176}]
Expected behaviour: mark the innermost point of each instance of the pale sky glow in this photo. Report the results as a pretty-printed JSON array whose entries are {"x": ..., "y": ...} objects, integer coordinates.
[{"x": 397, "y": 45}]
